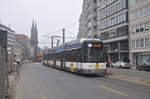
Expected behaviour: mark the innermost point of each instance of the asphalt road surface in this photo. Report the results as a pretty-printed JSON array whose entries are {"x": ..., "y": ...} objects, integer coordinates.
[{"x": 39, "y": 82}]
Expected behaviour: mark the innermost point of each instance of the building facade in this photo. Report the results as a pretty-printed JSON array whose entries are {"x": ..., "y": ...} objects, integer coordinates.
[
  {"x": 139, "y": 23},
  {"x": 26, "y": 43},
  {"x": 34, "y": 38},
  {"x": 18, "y": 51},
  {"x": 113, "y": 28},
  {"x": 108, "y": 21},
  {"x": 9, "y": 36},
  {"x": 8, "y": 41},
  {"x": 88, "y": 19},
  {"x": 123, "y": 26}
]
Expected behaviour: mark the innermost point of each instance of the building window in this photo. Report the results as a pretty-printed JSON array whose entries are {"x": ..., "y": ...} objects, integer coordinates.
[
  {"x": 121, "y": 31},
  {"x": 133, "y": 43},
  {"x": 140, "y": 13},
  {"x": 124, "y": 4},
  {"x": 147, "y": 42},
  {"x": 141, "y": 27},
  {"x": 131, "y": 3},
  {"x": 124, "y": 17},
  {"x": 142, "y": 44},
  {"x": 112, "y": 22},
  {"x": 113, "y": 33},
  {"x": 137, "y": 43},
  {"x": 133, "y": 29},
  {"x": 115, "y": 20},
  {"x": 137, "y": 28},
  {"x": 113, "y": 9},
  {"x": 147, "y": 26},
  {"x": 104, "y": 35},
  {"x": 119, "y": 6}
]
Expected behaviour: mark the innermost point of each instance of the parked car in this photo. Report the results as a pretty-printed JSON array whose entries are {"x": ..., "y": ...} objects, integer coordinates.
[
  {"x": 121, "y": 64},
  {"x": 144, "y": 64},
  {"x": 143, "y": 67}
]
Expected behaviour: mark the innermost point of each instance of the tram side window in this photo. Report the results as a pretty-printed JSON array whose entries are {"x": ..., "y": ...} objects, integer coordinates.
[
  {"x": 51, "y": 56},
  {"x": 59, "y": 56},
  {"x": 68, "y": 55},
  {"x": 78, "y": 56},
  {"x": 73, "y": 56},
  {"x": 44, "y": 57}
]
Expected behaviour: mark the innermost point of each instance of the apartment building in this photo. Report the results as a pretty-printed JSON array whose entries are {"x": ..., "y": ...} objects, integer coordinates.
[{"x": 139, "y": 23}]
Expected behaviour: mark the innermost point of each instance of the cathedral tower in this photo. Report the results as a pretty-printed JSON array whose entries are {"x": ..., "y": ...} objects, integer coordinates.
[{"x": 34, "y": 37}]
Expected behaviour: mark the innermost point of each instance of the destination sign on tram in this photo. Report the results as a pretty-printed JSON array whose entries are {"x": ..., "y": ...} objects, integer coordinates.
[{"x": 95, "y": 45}]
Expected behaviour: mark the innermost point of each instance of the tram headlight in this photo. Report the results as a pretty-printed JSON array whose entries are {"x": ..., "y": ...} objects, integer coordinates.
[{"x": 89, "y": 45}]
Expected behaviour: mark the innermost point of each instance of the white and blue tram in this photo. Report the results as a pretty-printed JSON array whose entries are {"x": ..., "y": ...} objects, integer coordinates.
[{"x": 85, "y": 56}]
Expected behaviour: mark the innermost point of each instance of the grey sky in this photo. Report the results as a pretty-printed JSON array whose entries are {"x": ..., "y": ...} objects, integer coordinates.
[{"x": 51, "y": 15}]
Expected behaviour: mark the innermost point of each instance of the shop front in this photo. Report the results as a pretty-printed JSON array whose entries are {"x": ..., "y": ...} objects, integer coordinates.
[{"x": 141, "y": 58}]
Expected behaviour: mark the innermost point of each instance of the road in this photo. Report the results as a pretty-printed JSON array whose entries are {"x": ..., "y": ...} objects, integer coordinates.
[{"x": 39, "y": 82}]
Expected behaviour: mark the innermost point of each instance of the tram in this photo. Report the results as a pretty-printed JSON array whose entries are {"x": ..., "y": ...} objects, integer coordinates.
[{"x": 84, "y": 56}]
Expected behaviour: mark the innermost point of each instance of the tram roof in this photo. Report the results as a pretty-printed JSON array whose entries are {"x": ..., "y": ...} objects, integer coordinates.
[
  {"x": 81, "y": 40},
  {"x": 77, "y": 41}
]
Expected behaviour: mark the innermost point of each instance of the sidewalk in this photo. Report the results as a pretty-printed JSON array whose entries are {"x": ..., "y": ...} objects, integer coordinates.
[
  {"x": 13, "y": 78},
  {"x": 132, "y": 75},
  {"x": 12, "y": 82}
]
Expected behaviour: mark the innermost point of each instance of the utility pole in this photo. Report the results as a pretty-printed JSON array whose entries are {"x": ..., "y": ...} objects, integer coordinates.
[
  {"x": 52, "y": 42},
  {"x": 52, "y": 39},
  {"x": 63, "y": 35},
  {"x": 58, "y": 42}
]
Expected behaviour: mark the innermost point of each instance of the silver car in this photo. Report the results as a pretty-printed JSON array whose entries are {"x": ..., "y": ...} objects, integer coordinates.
[{"x": 121, "y": 64}]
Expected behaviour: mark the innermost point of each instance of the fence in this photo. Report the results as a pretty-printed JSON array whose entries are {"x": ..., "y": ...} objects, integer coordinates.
[{"x": 3, "y": 74}]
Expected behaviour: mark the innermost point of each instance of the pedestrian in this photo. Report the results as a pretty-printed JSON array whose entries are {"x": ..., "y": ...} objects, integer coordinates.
[
  {"x": 15, "y": 66},
  {"x": 109, "y": 66}
]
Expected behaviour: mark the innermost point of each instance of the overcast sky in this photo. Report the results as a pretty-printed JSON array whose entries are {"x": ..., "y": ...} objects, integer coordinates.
[{"x": 51, "y": 16}]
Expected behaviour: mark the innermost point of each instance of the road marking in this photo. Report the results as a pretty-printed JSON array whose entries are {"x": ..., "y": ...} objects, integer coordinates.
[
  {"x": 112, "y": 90},
  {"x": 16, "y": 97},
  {"x": 133, "y": 81},
  {"x": 43, "y": 96}
]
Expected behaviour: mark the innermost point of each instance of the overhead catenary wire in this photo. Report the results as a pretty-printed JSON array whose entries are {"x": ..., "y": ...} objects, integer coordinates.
[
  {"x": 60, "y": 30},
  {"x": 68, "y": 38},
  {"x": 71, "y": 32}
]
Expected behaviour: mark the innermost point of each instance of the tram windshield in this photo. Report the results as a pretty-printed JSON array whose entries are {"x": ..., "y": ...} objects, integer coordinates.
[{"x": 93, "y": 52}]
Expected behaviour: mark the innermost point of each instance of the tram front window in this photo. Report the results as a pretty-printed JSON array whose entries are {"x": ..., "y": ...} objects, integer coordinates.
[{"x": 94, "y": 54}]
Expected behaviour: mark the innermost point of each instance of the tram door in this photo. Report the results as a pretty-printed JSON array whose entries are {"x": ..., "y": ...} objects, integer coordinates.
[{"x": 79, "y": 66}]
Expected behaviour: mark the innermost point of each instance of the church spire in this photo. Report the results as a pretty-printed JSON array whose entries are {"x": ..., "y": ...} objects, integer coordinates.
[
  {"x": 33, "y": 26},
  {"x": 34, "y": 37}
]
